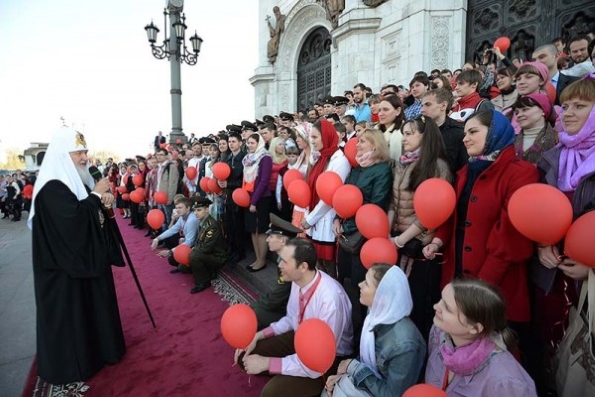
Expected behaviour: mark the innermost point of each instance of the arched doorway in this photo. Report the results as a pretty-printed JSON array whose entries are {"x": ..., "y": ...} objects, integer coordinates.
[{"x": 314, "y": 69}]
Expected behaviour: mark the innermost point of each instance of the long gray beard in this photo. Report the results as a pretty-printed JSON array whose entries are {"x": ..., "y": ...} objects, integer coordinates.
[{"x": 83, "y": 175}]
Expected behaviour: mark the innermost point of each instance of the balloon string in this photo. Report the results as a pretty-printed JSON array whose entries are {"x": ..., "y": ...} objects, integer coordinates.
[{"x": 250, "y": 380}]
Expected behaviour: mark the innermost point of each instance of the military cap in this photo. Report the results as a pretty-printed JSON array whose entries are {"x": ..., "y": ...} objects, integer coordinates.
[
  {"x": 140, "y": 158},
  {"x": 233, "y": 128},
  {"x": 259, "y": 122},
  {"x": 200, "y": 202},
  {"x": 286, "y": 116},
  {"x": 328, "y": 100},
  {"x": 268, "y": 119},
  {"x": 282, "y": 227},
  {"x": 206, "y": 140},
  {"x": 130, "y": 160},
  {"x": 340, "y": 100},
  {"x": 246, "y": 125},
  {"x": 133, "y": 165}
]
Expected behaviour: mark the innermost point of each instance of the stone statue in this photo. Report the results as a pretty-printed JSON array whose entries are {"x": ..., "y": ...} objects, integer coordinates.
[
  {"x": 275, "y": 33},
  {"x": 374, "y": 3},
  {"x": 333, "y": 9}
]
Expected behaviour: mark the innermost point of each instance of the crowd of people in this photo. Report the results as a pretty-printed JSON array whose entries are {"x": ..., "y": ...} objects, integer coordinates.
[{"x": 474, "y": 303}]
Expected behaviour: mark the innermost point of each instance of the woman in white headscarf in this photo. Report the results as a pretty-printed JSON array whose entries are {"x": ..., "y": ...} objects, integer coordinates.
[{"x": 392, "y": 350}]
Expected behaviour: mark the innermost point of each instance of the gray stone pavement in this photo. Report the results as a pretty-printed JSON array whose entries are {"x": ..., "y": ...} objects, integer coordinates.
[{"x": 17, "y": 306}]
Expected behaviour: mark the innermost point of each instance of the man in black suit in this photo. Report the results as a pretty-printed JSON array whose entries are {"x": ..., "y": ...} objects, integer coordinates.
[
  {"x": 159, "y": 139},
  {"x": 548, "y": 55}
]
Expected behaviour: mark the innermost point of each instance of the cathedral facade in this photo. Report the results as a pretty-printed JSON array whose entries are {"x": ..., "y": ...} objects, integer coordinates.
[
  {"x": 328, "y": 46},
  {"x": 312, "y": 48}
]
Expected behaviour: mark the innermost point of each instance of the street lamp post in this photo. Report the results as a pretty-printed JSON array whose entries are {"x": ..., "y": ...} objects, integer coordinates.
[{"x": 175, "y": 50}]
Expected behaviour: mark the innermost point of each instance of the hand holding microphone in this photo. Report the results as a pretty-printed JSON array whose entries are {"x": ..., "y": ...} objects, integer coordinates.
[{"x": 102, "y": 186}]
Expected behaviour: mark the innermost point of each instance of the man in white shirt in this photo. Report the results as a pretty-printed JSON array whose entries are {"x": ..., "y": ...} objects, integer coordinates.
[
  {"x": 313, "y": 294},
  {"x": 579, "y": 53},
  {"x": 194, "y": 161}
]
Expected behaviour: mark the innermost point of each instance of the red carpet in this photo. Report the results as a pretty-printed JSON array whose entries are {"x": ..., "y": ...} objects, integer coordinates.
[{"x": 186, "y": 355}]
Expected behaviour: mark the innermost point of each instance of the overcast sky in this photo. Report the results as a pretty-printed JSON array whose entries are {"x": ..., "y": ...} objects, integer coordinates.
[{"x": 90, "y": 62}]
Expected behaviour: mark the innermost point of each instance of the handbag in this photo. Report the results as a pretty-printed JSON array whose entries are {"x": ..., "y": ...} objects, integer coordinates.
[
  {"x": 574, "y": 362},
  {"x": 352, "y": 243}
]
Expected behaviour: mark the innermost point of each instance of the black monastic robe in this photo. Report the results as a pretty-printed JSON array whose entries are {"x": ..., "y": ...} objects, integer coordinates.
[{"x": 78, "y": 321}]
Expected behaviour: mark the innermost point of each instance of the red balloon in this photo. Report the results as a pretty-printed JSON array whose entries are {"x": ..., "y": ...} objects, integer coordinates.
[
  {"x": 434, "y": 201},
  {"x": 350, "y": 151},
  {"x": 179, "y": 141},
  {"x": 221, "y": 171},
  {"x": 424, "y": 390},
  {"x": 315, "y": 345},
  {"x": 138, "y": 180},
  {"x": 503, "y": 43},
  {"x": 122, "y": 189},
  {"x": 540, "y": 212},
  {"x": 372, "y": 221},
  {"x": 299, "y": 193},
  {"x": 162, "y": 146},
  {"x": 136, "y": 197},
  {"x": 238, "y": 325},
  {"x": 126, "y": 197},
  {"x": 551, "y": 92},
  {"x": 204, "y": 184},
  {"x": 290, "y": 176},
  {"x": 155, "y": 218},
  {"x": 578, "y": 244},
  {"x": 182, "y": 254},
  {"x": 191, "y": 173},
  {"x": 327, "y": 184},
  {"x": 214, "y": 186},
  {"x": 160, "y": 197},
  {"x": 141, "y": 191},
  {"x": 378, "y": 250},
  {"x": 27, "y": 191},
  {"x": 241, "y": 197},
  {"x": 347, "y": 200}
]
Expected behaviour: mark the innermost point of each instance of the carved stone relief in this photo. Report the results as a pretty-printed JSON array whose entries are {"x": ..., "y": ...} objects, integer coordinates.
[{"x": 440, "y": 41}]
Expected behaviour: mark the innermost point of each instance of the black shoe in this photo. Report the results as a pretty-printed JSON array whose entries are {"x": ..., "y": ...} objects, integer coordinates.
[
  {"x": 249, "y": 267},
  {"x": 16, "y": 219},
  {"x": 149, "y": 233},
  {"x": 173, "y": 271},
  {"x": 5, "y": 217},
  {"x": 199, "y": 288},
  {"x": 253, "y": 270}
]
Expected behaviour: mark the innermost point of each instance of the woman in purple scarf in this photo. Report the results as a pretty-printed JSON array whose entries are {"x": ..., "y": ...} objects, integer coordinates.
[
  {"x": 570, "y": 167},
  {"x": 470, "y": 343}
]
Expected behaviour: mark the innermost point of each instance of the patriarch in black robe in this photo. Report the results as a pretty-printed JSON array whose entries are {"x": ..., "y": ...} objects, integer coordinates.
[{"x": 78, "y": 321}]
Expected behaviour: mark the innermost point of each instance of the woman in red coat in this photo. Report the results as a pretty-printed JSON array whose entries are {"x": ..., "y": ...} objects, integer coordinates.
[{"x": 479, "y": 240}]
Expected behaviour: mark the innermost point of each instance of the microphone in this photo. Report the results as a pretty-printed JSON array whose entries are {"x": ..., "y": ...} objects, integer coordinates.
[{"x": 96, "y": 175}]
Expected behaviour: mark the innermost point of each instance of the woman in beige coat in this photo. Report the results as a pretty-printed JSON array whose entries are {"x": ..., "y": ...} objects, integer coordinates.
[{"x": 424, "y": 157}]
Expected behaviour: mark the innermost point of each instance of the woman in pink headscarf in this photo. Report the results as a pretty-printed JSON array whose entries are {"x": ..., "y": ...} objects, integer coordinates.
[{"x": 570, "y": 167}]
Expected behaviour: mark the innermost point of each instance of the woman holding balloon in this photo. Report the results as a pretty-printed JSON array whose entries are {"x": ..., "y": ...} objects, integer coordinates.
[
  {"x": 325, "y": 156},
  {"x": 424, "y": 158},
  {"x": 373, "y": 177},
  {"x": 392, "y": 351},
  {"x": 479, "y": 239},
  {"x": 569, "y": 167}
]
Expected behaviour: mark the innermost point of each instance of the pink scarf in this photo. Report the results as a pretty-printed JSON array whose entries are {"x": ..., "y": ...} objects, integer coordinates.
[
  {"x": 468, "y": 359},
  {"x": 577, "y": 158},
  {"x": 410, "y": 157}
]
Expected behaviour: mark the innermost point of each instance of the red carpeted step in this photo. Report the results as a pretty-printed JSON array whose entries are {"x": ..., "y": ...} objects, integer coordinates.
[{"x": 186, "y": 355}]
